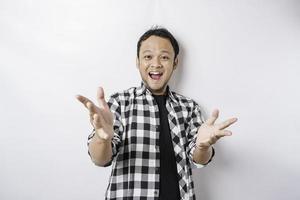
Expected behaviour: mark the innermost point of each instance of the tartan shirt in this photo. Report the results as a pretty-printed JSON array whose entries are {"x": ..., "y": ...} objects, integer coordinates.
[{"x": 135, "y": 144}]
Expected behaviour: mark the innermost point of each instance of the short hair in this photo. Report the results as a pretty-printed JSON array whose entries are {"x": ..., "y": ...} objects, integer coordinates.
[{"x": 160, "y": 32}]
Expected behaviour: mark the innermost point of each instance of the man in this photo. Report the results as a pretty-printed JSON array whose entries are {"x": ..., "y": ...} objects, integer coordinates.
[{"x": 152, "y": 136}]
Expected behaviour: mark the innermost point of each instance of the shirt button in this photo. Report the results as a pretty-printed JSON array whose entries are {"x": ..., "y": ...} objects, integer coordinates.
[
  {"x": 157, "y": 127},
  {"x": 156, "y": 192}
]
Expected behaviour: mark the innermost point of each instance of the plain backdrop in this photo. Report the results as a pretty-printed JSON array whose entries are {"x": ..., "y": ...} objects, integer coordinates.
[{"x": 240, "y": 56}]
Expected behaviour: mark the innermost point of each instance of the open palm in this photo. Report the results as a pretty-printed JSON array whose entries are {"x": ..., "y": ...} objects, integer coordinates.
[
  {"x": 100, "y": 116},
  {"x": 209, "y": 133}
]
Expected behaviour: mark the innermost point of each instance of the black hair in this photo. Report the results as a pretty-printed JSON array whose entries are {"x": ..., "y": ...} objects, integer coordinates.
[{"x": 160, "y": 32}]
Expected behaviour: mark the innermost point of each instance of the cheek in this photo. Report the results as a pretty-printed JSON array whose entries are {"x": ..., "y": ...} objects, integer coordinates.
[
  {"x": 143, "y": 65},
  {"x": 169, "y": 69},
  {"x": 143, "y": 70}
]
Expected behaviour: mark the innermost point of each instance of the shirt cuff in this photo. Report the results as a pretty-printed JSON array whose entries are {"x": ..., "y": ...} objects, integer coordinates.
[{"x": 197, "y": 165}]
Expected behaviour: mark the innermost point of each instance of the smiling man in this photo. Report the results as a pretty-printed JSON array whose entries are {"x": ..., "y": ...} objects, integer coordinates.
[
  {"x": 152, "y": 136},
  {"x": 156, "y": 61}
]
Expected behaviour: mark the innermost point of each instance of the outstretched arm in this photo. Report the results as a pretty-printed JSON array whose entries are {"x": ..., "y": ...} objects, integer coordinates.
[{"x": 101, "y": 119}]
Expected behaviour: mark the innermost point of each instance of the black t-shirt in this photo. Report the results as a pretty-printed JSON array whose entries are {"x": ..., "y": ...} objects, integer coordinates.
[{"x": 169, "y": 186}]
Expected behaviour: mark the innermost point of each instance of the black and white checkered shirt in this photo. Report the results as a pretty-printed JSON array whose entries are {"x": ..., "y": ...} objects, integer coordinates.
[{"x": 135, "y": 145}]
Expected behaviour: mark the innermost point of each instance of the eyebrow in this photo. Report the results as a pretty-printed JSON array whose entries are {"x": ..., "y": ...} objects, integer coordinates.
[{"x": 163, "y": 51}]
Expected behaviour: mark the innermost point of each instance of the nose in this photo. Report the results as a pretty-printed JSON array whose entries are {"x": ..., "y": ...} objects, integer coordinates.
[{"x": 156, "y": 63}]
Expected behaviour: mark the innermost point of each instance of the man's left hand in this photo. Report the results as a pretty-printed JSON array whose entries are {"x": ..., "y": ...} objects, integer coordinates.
[{"x": 209, "y": 133}]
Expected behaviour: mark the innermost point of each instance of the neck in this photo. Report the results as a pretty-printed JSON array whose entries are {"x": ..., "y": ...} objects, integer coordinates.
[{"x": 160, "y": 92}]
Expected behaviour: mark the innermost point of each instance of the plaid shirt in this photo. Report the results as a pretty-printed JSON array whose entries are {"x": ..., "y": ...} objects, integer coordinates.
[{"x": 135, "y": 161}]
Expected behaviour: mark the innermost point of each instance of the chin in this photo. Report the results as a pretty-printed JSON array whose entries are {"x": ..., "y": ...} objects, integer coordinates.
[{"x": 156, "y": 88}]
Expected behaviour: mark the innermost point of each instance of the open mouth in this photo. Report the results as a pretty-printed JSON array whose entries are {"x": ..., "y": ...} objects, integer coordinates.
[{"x": 155, "y": 75}]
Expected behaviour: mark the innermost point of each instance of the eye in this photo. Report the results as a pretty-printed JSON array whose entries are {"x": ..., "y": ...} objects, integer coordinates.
[
  {"x": 165, "y": 57},
  {"x": 147, "y": 57}
]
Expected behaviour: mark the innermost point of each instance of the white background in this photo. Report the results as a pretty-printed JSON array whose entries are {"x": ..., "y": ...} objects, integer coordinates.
[{"x": 241, "y": 56}]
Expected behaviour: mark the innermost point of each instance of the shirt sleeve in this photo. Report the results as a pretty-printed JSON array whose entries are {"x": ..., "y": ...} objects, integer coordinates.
[
  {"x": 197, "y": 165},
  {"x": 195, "y": 121},
  {"x": 117, "y": 126}
]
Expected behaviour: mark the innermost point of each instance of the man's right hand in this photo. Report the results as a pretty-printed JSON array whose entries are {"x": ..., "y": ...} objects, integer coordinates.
[{"x": 101, "y": 117}]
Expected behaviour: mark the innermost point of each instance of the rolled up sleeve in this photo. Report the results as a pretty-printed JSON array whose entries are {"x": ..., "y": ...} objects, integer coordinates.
[
  {"x": 117, "y": 126},
  {"x": 195, "y": 121}
]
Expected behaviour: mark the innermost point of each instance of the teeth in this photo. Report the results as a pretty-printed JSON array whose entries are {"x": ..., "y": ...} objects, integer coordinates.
[{"x": 156, "y": 73}]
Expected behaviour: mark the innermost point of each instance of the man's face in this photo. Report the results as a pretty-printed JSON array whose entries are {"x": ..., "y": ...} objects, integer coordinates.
[{"x": 156, "y": 63}]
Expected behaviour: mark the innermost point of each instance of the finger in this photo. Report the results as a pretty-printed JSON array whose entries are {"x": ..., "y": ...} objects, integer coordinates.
[
  {"x": 214, "y": 138},
  {"x": 83, "y": 100},
  {"x": 211, "y": 120},
  {"x": 223, "y": 133},
  {"x": 101, "y": 98},
  {"x": 226, "y": 123},
  {"x": 92, "y": 107}
]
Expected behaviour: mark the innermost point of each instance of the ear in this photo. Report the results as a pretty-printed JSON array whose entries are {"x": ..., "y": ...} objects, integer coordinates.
[{"x": 175, "y": 63}]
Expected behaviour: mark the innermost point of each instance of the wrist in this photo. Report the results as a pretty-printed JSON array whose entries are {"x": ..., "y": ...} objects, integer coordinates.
[
  {"x": 202, "y": 147},
  {"x": 99, "y": 140}
]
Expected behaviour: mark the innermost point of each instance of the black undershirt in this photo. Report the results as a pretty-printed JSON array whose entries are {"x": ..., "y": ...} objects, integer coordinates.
[{"x": 169, "y": 186}]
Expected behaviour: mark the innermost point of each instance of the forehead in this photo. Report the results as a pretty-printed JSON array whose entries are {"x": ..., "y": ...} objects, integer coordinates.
[{"x": 156, "y": 43}]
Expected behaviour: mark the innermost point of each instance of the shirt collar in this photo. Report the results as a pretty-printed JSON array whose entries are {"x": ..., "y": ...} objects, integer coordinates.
[{"x": 142, "y": 89}]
